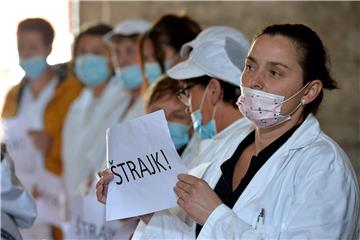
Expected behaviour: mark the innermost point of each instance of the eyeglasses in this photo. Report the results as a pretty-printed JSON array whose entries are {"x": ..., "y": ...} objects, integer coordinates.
[{"x": 183, "y": 94}]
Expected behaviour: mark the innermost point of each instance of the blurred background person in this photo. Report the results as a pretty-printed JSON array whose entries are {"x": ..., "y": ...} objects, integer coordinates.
[
  {"x": 91, "y": 113},
  {"x": 41, "y": 99},
  {"x": 123, "y": 40},
  {"x": 159, "y": 47}
]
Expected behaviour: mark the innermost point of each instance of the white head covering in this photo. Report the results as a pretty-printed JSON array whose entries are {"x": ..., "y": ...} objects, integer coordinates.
[
  {"x": 217, "y": 52},
  {"x": 128, "y": 27}
]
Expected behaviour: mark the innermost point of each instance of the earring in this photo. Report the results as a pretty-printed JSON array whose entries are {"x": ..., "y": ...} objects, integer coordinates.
[{"x": 302, "y": 102}]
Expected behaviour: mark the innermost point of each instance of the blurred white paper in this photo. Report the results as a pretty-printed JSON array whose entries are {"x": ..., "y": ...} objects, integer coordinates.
[
  {"x": 145, "y": 164},
  {"x": 50, "y": 203},
  {"x": 20, "y": 146},
  {"x": 88, "y": 222}
]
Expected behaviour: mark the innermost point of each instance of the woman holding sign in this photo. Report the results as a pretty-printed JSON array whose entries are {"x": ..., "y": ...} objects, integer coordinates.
[{"x": 287, "y": 179}]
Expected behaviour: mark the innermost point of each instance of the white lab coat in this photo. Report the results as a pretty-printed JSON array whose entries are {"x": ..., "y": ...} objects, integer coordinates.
[
  {"x": 307, "y": 189},
  {"x": 221, "y": 146},
  {"x": 191, "y": 150},
  {"x": 85, "y": 130},
  {"x": 32, "y": 110},
  {"x": 136, "y": 110}
]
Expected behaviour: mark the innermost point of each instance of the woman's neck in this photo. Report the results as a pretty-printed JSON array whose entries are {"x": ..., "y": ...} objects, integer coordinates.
[
  {"x": 135, "y": 93},
  {"x": 265, "y": 136},
  {"x": 98, "y": 90},
  {"x": 225, "y": 115},
  {"x": 39, "y": 84}
]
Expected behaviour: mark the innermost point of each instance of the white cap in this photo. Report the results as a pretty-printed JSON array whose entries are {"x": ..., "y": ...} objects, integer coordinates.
[
  {"x": 214, "y": 33},
  {"x": 218, "y": 56},
  {"x": 128, "y": 27}
]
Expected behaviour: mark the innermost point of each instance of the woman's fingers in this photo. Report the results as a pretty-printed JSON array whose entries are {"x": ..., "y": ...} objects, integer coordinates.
[
  {"x": 102, "y": 185},
  {"x": 184, "y": 186}
]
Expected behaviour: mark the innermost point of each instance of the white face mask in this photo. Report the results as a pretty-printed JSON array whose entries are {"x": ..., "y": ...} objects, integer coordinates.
[{"x": 264, "y": 109}]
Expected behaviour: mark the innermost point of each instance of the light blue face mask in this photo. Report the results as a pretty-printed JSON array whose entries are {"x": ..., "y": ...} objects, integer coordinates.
[
  {"x": 92, "y": 69},
  {"x": 33, "y": 67},
  {"x": 203, "y": 131},
  {"x": 179, "y": 134},
  {"x": 131, "y": 76},
  {"x": 153, "y": 72}
]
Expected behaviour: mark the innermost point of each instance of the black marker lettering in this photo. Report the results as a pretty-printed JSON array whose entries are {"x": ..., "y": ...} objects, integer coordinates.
[
  {"x": 116, "y": 174},
  {"x": 165, "y": 158},
  {"x": 132, "y": 169},
  {"x": 143, "y": 167},
  {"x": 156, "y": 160},
  {"x": 151, "y": 173},
  {"x": 92, "y": 230},
  {"x": 121, "y": 165}
]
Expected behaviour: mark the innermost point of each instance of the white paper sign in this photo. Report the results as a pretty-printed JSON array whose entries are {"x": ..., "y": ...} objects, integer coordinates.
[
  {"x": 20, "y": 146},
  {"x": 145, "y": 164},
  {"x": 50, "y": 203},
  {"x": 88, "y": 222}
]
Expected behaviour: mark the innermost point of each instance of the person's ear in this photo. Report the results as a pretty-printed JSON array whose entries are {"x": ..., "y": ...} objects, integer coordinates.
[
  {"x": 214, "y": 91},
  {"x": 311, "y": 92}
]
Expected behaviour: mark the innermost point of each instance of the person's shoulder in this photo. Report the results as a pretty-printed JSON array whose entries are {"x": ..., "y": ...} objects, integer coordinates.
[
  {"x": 12, "y": 100},
  {"x": 17, "y": 87},
  {"x": 68, "y": 85},
  {"x": 324, "y": 155}
]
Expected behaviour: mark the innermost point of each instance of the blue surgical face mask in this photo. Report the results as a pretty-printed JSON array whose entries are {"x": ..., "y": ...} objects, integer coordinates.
[
  {"x": 153, "y": 72},
  {"x": 130, "y": 76},
  {"x": 92, "y": 69},
  {"x": 179, "y": 134},
  {"x": 33, "y": 67},
  {"x": 203, "y": 131}
]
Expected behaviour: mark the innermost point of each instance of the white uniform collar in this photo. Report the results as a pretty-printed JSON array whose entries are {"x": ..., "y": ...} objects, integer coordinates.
[{"x": 302, "y": 138}]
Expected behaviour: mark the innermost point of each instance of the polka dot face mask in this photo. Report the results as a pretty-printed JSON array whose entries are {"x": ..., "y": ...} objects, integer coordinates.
[{"x": 264, "y": 109}]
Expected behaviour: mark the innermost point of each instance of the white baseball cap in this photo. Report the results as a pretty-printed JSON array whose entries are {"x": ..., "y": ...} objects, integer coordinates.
[
  {"x": 214, "y": 33},
  {"x": 128, "y": 27},
  {"x": 218, "y": 56}
]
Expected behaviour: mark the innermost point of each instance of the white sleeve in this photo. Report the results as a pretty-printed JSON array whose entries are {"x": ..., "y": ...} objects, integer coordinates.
[
  {"x": 164, "y": 225},
  {"x": 15, "y": 201},
  {"x": 326, "y": 206},
  {"x": 223, "y": 223}
]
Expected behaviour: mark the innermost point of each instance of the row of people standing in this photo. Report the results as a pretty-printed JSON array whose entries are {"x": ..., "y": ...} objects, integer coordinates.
[
  {"x": 72, "y": 104},
  {"x": 248, "y": 178}
]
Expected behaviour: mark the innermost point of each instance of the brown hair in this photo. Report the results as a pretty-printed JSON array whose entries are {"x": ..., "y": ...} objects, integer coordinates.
[
  {"x": 96, "y": 30},
  {"x": 171, "y": 30},
  {"x": 39, "y": 25},
  {"x": 165, "y": 86}
]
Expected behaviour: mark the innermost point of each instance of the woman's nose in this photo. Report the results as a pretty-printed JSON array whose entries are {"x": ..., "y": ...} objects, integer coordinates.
[{"x": 254, "y": 80}]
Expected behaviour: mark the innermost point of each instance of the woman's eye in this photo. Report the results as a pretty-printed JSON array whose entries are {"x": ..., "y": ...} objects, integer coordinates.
[
  {"x": 249, "y": 67},
  {"x": 275, "y": 73}
]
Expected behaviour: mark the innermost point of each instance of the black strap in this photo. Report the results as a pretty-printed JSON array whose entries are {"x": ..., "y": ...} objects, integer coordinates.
[
  {"x": 6, "y": 235},
  {"x": 3, "y": 151},
  {"x": 61, "y": 71}
]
